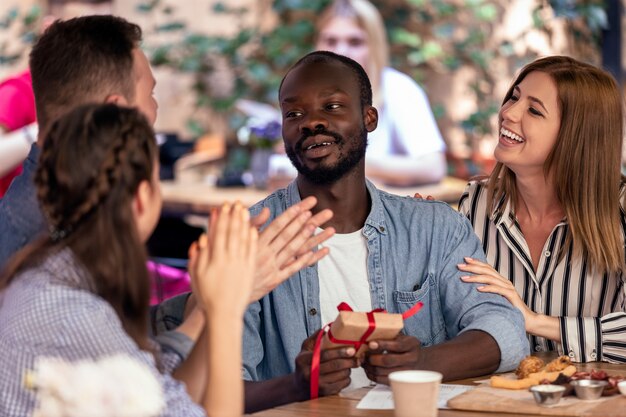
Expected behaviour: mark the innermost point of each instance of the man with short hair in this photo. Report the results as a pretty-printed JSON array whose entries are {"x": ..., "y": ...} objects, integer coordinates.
[
  {"x": 389, "y": 252},
  {"x": 79, "y": 61}
]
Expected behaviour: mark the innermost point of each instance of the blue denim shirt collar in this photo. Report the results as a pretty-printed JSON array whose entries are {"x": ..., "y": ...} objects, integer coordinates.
[{"x": 376, "y": 218}]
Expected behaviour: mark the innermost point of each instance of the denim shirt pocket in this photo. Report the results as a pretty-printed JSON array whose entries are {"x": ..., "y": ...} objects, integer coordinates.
[{"x": 427, "y": 325}]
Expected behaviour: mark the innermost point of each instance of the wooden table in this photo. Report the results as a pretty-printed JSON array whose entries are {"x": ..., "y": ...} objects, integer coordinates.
[
  {"x": 199, "y": 198},
  {"x": 345, "y": 405}
]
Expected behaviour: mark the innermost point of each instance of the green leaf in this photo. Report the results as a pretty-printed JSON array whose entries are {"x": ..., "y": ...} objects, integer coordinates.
[
  {"x": 432, "y": 50},
  {"x": 32, "y": 16},
  {"x": 404, "y": 37},
  {"x": 9, "y": 18},
  {"x": 220, "y": 7},
  {"x": 417, "y": 3},
  {"x": 195, "y": 127},
  {"x": 170, "y": 27},
  {"x": 486, "y": 13},
  {"x": 147, "y": 6}
]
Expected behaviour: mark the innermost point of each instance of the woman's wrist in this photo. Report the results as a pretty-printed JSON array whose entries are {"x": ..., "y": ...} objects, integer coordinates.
[{"x": 543, "y": 326}]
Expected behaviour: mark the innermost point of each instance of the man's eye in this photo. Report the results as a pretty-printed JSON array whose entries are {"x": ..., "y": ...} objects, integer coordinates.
[
  {"x": 333, "y": 106},
  {"x": 292, "y": 114}
]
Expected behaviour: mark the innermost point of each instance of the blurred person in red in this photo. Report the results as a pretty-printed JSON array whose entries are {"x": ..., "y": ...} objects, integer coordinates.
[{"x": 17, "y": 101}]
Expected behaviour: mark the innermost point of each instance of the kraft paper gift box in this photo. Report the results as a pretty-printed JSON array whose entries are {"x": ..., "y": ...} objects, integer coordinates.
[{"x": 350, "y": 326}]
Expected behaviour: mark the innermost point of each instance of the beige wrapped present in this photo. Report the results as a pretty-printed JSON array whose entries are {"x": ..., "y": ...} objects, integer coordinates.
[{"x": 352, "y": 328}]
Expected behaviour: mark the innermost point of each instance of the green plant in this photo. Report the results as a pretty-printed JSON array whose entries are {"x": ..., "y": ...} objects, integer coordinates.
[
  {"x": 255, "y": 57},
  {"x": 24, "y": 27}
]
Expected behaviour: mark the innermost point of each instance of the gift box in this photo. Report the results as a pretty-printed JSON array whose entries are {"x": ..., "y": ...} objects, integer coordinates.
[{"x": 357, "y": 328}]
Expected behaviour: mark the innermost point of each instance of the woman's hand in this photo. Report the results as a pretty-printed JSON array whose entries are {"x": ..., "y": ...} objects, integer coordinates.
[
  {"x": 497, "y": 284},
  {"x": 288, "y": 244},
  {"x": 221, "y": 265}
]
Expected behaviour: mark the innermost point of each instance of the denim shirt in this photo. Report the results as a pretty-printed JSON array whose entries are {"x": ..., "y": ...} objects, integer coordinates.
[
  {"x": 414, "y": 247},
  {"x": 21, "y": 220}
]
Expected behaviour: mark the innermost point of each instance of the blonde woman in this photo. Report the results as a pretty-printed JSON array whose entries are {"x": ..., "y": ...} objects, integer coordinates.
[
  {"x": 551, "y": 215},
  {"x": 406, "y": 148}
]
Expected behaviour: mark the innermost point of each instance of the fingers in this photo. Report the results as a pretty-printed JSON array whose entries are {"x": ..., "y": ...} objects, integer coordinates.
[
  {"x": 260, "y": 219},
  {"x": 400, "y": 344},
  {"x": 221, "y": 228},
  {"x": 278, "y": 224},
  {"x": 315, "y": 240},
  {"x": 386, "y": 356},
  {"x": 479, "y": 268},
  {"x": 322, "y": 217},
  {"x": 292, "y": 236},
  {"x": 237, "y": 236}
]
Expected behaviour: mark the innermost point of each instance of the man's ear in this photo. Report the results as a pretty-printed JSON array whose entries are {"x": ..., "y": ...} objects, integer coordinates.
[
  {"x": 117, "y": 99},
  {"x": 370, "y": 117}
]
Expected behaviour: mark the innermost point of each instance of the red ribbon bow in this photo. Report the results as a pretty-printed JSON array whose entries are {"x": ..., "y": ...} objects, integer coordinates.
[{"x": 315, "y": 361}]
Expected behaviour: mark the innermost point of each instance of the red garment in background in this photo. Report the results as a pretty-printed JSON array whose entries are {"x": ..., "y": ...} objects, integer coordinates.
[{"x": 17, "y": 109}]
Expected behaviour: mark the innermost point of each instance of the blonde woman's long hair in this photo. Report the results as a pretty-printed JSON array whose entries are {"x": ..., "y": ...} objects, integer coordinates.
[
  {"x": 585, "y": 163},
  {"x": 367, "y": 18}
]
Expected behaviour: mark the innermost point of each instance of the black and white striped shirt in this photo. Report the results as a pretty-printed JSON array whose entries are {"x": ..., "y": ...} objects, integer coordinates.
[{"x": 591, "y": 306}]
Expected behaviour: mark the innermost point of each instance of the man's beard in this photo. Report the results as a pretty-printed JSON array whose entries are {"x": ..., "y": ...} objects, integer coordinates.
[{"x": 324, "y": 175}]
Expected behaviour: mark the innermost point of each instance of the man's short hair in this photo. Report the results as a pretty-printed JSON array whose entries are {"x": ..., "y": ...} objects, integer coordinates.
[
  {"x": 80, "y": 61},
  {"x": 327, "y": 57}
]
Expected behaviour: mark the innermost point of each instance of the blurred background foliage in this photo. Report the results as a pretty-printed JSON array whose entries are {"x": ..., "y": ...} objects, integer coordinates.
[
  {"x": 428, "y": 39},
  {"x": 436, "y": 35}
]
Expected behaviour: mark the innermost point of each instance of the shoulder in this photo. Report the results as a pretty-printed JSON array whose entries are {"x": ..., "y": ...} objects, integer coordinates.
[
  {"x": 475, "y": 192},
  {"x": 418, "y": 210},
  {"x": 396, "y": 81},
  {"x": 276, "y": 202},
  {"x": 43, "y": 308}
]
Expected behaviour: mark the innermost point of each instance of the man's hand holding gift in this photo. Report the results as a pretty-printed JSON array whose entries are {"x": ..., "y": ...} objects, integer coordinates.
[
  {"x": 386, "y": 356},
  {"x": 334, "y": 367}
]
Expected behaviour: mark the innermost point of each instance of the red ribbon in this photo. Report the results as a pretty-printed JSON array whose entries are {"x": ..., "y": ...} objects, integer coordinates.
[{"x": 315, "y": 360}]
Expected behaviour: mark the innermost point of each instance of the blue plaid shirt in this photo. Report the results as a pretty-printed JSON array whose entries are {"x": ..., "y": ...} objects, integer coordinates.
[{"x": 49, "y": 310}]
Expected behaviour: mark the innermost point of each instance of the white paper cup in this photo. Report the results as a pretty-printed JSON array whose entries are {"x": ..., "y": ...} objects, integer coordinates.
[{"x": 415, "y": 393}]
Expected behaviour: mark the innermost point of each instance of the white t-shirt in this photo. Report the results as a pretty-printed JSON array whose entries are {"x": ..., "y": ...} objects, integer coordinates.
[
  {"x": 343, "y": 278},
  {"x": 406, "y": 124}
]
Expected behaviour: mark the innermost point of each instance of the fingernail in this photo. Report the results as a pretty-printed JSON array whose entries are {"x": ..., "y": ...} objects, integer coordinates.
[
  {"x": 468, "y": 259},
  {"x": 465, "y": 277},
  {"x": 350, "y": 351},
  {"x": 461, "y": 265},
  {"x": 373, "y": 345}
]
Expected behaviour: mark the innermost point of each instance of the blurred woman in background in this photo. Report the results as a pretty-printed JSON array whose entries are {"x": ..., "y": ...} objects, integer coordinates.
[{"x": 406, "y": 148}]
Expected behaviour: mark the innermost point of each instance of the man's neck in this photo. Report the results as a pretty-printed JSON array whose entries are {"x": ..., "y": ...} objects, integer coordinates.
[{"x": 347, "y": 198}]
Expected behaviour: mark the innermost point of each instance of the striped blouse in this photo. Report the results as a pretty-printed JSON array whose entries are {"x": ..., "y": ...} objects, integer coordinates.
[{"x": 591, "y": 306}]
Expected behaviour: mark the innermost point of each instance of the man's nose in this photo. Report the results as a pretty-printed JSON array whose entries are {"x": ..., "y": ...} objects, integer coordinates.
[{"x": 314, "y": 121}]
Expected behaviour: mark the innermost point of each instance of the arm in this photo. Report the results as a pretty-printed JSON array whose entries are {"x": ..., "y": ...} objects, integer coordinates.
[
  {"x": 334, "y": 375},
  {"x": 222, "y": 271},
  {"x": 477, "y": 324},
  {"x": 14, "y": 148},
  {"x": 450, "y": 358},
  {"x": 492, "y": 282},
  {"x": 418, "y": 156},
  {"x": 406, "y": 170}
]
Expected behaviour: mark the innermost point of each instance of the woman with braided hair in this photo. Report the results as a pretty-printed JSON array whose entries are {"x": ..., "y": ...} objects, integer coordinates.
[{"x": 82, "y": 292}]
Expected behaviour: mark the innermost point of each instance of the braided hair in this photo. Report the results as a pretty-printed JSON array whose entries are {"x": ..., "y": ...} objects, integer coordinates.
[{"x": 90, "y": 167}]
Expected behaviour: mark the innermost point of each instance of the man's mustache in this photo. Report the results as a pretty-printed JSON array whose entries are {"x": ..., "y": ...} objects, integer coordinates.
[{"x": 324, "y": 132}]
